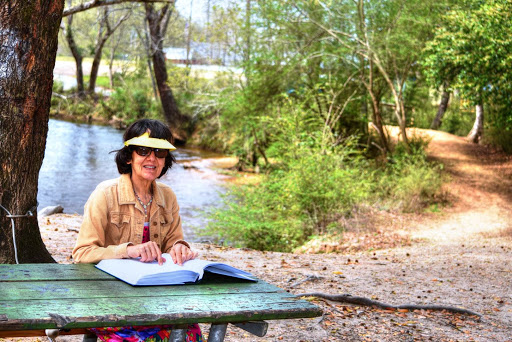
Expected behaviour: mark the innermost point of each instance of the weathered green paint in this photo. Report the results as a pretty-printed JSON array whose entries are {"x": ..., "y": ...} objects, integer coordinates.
[
  {"x": 45, "y": 296},
  {"x": 47, "y": 272},
  {"x": 45, "y": 290}
]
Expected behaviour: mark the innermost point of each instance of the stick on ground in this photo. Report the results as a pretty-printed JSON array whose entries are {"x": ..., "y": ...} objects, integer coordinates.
[{"x": 347, "y": 298}]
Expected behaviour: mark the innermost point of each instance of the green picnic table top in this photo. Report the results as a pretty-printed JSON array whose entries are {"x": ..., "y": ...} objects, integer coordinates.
[{"x": 66, "y": 296}]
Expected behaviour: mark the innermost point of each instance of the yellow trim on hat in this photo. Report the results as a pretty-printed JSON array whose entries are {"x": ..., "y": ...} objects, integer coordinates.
[{"x": 145, "y": 140}]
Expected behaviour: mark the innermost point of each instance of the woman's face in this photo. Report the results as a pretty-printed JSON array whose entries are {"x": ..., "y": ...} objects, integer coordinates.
[{"x": 146, "y": 167}]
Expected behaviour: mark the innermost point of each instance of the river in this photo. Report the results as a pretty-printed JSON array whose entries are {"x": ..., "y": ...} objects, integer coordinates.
[{"x": 77, "y": 158}]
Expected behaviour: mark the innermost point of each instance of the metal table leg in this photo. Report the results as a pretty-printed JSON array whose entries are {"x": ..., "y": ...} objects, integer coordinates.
[
  {"x": 217, "y": 332},
  {"x": 178, "y": 333},
  {"x": 258, "y": 328},
  {"x": 90, "y": 338}
]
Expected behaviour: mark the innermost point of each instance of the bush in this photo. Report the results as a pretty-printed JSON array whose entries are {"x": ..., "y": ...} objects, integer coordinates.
[
  {"x": 312, "y": 188},
  {"x": 499, "y": 137},
  {"x": 288, "y": 206},
  {"x": 410, "y": 182},
  {"x": 313, "y": 180},
  {"x": 132, "y": 101}
]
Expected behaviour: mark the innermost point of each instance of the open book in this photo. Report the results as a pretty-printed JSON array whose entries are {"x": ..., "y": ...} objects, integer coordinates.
[{"x": 135, "y": 272}]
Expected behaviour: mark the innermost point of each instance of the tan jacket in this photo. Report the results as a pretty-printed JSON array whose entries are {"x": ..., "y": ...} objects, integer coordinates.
[{"x": 114, "y": 219}]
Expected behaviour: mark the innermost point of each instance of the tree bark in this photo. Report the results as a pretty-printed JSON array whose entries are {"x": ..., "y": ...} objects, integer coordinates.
[
  {"x": 29, "y": 32},
  {"x": 443, "y": 106},
  {"x": 476, "y": 132},
  {"x": 157, "y": 22}
]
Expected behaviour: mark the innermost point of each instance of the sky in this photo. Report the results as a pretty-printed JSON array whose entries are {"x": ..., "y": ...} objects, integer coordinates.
[{"x": 198, "y": 8}]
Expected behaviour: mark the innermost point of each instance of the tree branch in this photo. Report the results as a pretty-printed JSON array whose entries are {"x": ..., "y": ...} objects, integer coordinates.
[
  {"x": 347, "y": 298},
  {"x": 97, "y": 3}
]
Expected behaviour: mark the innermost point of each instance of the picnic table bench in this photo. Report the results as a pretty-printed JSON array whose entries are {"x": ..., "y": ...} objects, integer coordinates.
[{"x": 53, "y": 299}]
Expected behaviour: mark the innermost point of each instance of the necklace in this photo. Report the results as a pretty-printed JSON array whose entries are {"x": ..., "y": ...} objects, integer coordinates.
[{"x": 145, "y": 206}]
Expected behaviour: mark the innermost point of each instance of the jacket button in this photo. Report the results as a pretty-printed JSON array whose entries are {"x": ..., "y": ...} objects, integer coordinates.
[{"x": 155, "y": 236}]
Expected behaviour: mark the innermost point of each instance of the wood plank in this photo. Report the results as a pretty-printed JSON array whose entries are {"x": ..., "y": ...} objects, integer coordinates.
[
  {"x": 48, "y": 272},
  {"x": 116, "y": 288},
  {"x": 35, "y": 333},
  {"x": 93, "y": 312}
]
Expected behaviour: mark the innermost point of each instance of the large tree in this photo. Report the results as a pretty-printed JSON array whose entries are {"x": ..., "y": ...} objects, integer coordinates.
[
  {"x": 158, "y": 21},
  {"x": 28, "y": 32}
]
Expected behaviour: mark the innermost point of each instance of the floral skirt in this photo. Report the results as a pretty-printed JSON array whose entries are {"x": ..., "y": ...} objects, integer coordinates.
[{"x": 153, "y": 333}]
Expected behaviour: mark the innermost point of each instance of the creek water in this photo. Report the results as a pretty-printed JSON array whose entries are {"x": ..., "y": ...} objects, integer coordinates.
[{"x": 77, "y": 158}]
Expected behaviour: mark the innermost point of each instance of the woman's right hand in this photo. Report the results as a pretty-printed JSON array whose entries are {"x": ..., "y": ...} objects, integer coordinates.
[{"x": 147, "y": 252}]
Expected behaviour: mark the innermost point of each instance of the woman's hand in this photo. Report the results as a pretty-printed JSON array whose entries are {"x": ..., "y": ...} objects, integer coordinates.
[
  {"x": 147, "y": 252},
  {"x": 181, "y": 253}
]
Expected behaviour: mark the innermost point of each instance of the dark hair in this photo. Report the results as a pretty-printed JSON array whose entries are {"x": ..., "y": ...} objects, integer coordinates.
[{"x": 157, "y": 130}]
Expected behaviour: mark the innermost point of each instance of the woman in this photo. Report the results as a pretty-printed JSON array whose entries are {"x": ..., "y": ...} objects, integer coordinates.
[{"x": 133, "y": 216}]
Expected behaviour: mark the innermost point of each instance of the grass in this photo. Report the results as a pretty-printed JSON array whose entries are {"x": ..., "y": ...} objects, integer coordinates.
[{"x": 101, "y": 81}]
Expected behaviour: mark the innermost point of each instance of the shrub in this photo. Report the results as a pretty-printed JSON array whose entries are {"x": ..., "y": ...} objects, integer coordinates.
[
  {"x": 312, "y": 188},
  {"x": 410, "y": 182},
  {"x": 132, "y": 101},
  {"x": 290, "y": 204},
  {"x": 313, "y": 180}
]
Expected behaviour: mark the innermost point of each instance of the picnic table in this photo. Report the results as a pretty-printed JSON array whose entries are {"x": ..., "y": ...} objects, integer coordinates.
[{"x": 53, "y": 299}]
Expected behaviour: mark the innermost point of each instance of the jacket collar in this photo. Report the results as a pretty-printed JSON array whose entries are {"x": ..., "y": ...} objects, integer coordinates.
[{"x": 127, "y": 195}]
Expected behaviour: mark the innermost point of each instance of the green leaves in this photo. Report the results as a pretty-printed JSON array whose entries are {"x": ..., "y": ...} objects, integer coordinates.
[{"x": 472, "y": 48}]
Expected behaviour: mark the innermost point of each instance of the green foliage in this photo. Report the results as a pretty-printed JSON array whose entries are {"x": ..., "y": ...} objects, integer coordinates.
[
  {"x": 458, "y": 120},
  {"x": 293, "y": 202},
  {"x": 132, "y": 101},
  {"x": 101, "y": 81},
  {"x": 473, "y": 48},
  {"x": 315, "y": 180},
  {"x": 497, "y": 136},
  {"x": 410, "y": 182},
  {"x": 58, "y": 87}
]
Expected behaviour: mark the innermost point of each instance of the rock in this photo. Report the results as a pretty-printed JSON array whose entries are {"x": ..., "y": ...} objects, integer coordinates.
[{"x": 47, "y": 211}]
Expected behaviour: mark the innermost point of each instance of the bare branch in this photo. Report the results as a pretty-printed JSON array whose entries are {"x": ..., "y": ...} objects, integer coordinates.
[{"x": 97, "y": 3}]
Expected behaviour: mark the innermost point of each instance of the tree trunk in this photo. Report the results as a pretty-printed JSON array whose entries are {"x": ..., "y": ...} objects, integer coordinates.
[
  {"x": 75, "y": 51},
  {"x": 443, "y": 106},
  {"x": 156, "y": 23},
  {"x": 105, "y": 31},
  {"x": 95, "y": 66},
  {"x": 111, "y": 68},
  {"x": 377, "y": 121},
  {"x": 29, "y": 32},
  {"x": 376, "y": 113},
  {"x": 476, "y": 132},
  {"x": 248, "y": 44}
]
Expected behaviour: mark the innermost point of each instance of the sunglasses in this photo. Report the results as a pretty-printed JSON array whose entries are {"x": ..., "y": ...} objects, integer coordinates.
[{"x": 145, "y": 151}]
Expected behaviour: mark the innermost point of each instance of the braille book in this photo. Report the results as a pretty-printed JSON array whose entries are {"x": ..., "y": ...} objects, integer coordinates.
[{"x": 137, "y": 273}]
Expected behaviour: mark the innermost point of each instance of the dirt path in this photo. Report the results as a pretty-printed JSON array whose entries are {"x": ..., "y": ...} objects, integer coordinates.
[{"x": 460, "y": 256}]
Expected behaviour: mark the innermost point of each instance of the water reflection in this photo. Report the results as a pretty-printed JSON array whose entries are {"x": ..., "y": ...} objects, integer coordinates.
[{"x": 77, "y": 158}]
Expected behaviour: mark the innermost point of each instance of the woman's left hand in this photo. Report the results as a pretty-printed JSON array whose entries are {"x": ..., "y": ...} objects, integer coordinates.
[{"x": 181, "y": 253}]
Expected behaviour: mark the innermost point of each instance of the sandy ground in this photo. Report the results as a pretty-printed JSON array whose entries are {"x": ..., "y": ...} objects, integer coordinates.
[{"x": 459, "y": 256}]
